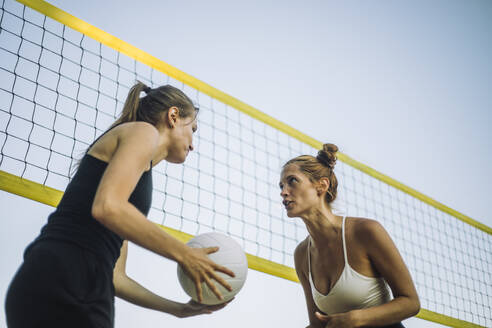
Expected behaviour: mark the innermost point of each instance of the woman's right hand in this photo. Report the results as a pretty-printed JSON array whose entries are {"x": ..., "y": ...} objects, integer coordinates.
[
  {"x": 202, "y": 269},
  {"x": 193, "y": 308}
]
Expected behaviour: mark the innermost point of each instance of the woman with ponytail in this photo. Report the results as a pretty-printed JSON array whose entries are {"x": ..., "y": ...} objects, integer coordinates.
[
  {"x": 346, "y": 265},
  {"x": 74, "y": 268}
]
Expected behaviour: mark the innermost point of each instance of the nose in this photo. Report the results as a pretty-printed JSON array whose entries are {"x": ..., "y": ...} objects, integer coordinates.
[
  {"x": 283, "y": 192},
  {"x": 191, "y": 147}
]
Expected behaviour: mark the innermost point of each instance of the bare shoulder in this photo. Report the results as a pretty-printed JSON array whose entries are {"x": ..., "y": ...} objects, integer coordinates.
[
  {"x": 138, "y": 140},
  {"x": 301, "y": 248},
  {"x": 364, "y": 228},
  {"x": 373, "y": 237},
  {"x": 138, "y": 133},
  {"x": 300, "y": 253},
  {"x": 136, "y": 129}
]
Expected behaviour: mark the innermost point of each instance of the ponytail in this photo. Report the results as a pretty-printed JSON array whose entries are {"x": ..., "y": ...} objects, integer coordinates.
[
  {"x": 132, "y": 104},
  {"x": 150, "y": 107}
]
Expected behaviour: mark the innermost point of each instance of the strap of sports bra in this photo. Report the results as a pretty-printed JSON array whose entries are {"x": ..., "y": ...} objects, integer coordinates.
[
  {"x": 344, "y": 246},
  {"x": 309, "y": 256},
  {"x": 344, "y": 243}
]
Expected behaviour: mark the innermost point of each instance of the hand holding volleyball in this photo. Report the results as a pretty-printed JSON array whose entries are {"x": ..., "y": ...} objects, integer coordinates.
[
  {"x": 200, "y": 271},
  {"x": 193, "y": 308},
  {"x": 228, "y": 258}
]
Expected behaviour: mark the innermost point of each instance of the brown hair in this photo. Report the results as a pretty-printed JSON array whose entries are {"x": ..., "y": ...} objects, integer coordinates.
[
  {"x": 319, "y": 167},
  {"x": 150, "y": 107},
  {"x": 156, "y": 101}
]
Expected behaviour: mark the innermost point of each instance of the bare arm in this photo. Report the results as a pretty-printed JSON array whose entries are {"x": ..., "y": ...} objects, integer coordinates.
[
  {"x": 135, "y": 149},
  {"x": 389, "y": 263},
  {"x": 136, "y": 146},
  {"x": 129, "y": 290},
  {"x": 300, "y": 261}
]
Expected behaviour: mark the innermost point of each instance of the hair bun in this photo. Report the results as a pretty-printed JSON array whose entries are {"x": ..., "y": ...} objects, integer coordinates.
[{"x": 327, "y": 156}]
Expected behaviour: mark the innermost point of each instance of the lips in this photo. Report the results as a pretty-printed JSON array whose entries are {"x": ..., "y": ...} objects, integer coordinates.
[{"x": 287, "y": 203}]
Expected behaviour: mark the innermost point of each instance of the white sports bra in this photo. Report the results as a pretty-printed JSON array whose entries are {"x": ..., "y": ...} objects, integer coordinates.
[{"x": 352, "y": 290}]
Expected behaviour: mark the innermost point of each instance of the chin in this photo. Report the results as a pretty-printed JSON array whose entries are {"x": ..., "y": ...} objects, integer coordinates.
[
  {"x": 176, "y": 160},
  {"x": 291, "y": 214}
]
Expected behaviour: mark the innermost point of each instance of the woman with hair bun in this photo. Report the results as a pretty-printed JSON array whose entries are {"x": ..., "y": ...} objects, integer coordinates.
[
  {"x": 75, "y": 267},
  {"x": 346, "y": 265}
]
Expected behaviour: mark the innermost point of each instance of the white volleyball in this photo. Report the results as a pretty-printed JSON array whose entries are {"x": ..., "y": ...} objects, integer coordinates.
[{"x": 229, "y": 255}]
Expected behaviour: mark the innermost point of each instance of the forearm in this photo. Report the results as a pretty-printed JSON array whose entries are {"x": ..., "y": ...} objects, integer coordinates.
[
  {"x": 396, "y": 310},
  {"x": 131, "y": 224},
  {"x": 131, "y": 291}
]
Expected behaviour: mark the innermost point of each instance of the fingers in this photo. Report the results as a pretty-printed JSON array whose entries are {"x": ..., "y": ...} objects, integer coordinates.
[
  {"x": 217, "y": 307},
  {"x": 198, "y": 286},
  {"x": 206, "y": 278},
  {"x": 208, "y": 308},
  {"x": 322, "y": 317},
  {"x": 221, "y": 281},
  {"x": 205, "y": 271},
  {"x": 220, "y": 306},
  {"x": 210, "y": 250},
  {"x": 224, "y": 270},
  {"x": 214, "y": 288}
]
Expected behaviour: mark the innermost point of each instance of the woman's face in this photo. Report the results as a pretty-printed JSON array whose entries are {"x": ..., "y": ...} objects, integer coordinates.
[
  {"x": 182, "y": 139},
  {"x": 298, "y": 193}
]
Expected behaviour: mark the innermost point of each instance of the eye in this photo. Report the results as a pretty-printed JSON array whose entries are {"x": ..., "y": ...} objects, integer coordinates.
[
  {"x": 281, "y": 186},
  {"x": 292, "y": 180},
  {"x": 194, "y": 129}
]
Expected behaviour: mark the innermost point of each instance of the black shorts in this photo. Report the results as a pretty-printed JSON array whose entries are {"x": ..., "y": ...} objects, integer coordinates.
[{"x": 61, "y": 285}]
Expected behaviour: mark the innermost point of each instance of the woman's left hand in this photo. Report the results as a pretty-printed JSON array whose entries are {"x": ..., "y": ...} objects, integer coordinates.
[
  {"x": 193, "y": 308},
  {"x": 338, "y": 320}
]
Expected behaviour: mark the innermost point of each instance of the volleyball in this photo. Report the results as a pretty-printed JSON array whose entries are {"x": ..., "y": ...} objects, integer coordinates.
[{"x": 230, "y": 255}]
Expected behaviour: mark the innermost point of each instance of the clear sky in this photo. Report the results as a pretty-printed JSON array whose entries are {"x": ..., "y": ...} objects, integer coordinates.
[{"x": 402, "y": 86}]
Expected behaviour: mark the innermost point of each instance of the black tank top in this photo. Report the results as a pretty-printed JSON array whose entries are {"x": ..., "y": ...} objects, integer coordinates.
[{"x": 72, "y": 220}]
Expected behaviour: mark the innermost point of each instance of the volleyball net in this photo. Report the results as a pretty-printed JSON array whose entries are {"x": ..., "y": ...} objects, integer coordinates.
[{"x": 63, "y": 82}]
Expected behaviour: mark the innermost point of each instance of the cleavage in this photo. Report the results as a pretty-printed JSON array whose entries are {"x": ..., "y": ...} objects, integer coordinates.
[{"x": 327, "y": 268}]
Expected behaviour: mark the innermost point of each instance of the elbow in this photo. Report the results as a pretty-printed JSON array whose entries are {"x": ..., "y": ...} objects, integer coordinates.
[
  {"x": 120, "y": 281},
  {"x": 103, "y": 211},
  {"x": 415, "y": 305},
  {"x": 409, "y": 305}
]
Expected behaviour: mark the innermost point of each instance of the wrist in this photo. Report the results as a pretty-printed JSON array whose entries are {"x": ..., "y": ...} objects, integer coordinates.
[
  {"x": 179, "y": 311},
  {"x": 181, "y": 253},
  {"x": 176, "y": 309},
  {"x": 357, "y": 318}
]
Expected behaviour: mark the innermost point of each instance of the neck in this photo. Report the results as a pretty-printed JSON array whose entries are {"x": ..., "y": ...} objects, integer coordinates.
[
  {"x": 162, "y": 150},
  {"x": 163, "y": 145},
  {"x": 323, "y": 226}
]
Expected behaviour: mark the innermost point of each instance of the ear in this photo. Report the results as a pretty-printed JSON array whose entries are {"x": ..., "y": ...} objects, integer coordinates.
[
  {"x": 322, "y": 186},
  {"x": 172, "y": 116}
]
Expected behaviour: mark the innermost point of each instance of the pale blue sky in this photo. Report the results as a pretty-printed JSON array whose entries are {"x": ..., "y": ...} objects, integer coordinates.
[{"x": 404, "y": 87}]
